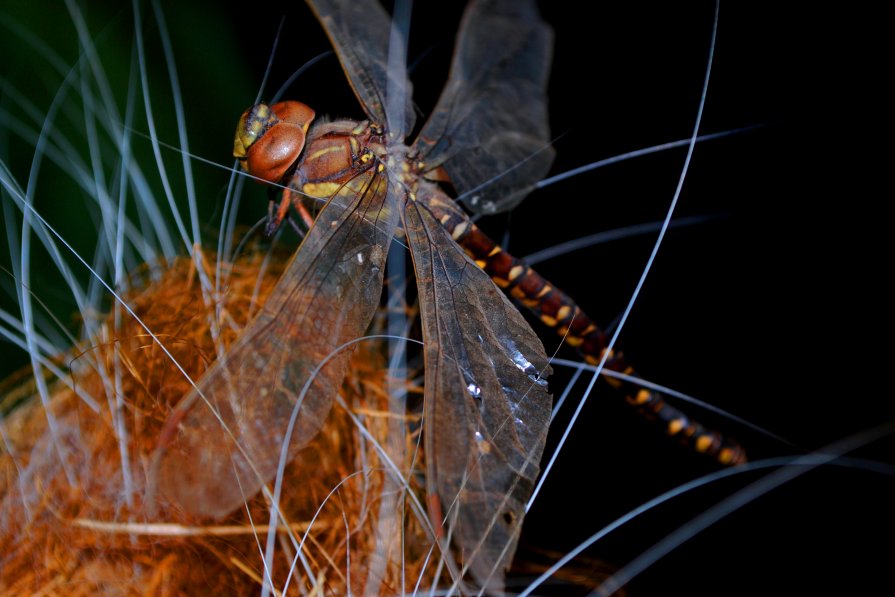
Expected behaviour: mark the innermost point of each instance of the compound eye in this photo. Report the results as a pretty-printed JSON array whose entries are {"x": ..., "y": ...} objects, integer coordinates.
[{"x": 269, "y": 139}]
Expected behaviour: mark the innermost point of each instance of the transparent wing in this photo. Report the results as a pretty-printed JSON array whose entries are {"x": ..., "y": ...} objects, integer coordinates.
[
  {"x": 489, "y": 129},
  {"x": 326, "y": 297},
  {"x": 486, "y": 408},
  {"x": 359, "y": 31}
]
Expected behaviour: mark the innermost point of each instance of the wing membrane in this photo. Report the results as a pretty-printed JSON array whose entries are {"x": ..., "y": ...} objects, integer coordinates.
[
  {"x": 489, "y": 129},
  {"x": 326, "y": 297},
  {"x": 359, "y": 32},
  {"x": 486, "y": 409}
]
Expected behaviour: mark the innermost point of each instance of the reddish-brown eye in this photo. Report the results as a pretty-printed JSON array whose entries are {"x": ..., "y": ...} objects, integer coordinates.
[{"x": 269, "y": 139}]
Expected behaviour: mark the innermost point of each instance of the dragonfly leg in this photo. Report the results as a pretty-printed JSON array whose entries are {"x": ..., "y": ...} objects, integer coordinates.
[
  {"x": 276, "y": 213},
  {"x": 298, "y": 201},
  {"x": 275, "y": 220}
]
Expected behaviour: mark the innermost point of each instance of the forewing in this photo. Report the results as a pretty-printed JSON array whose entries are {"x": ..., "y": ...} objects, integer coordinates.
[
  {"x": 489, "y": 129},
  {"x": 326, "y": 297},
  {"x": 359, "y": 32},
  {"x": 486, "y": 403}
]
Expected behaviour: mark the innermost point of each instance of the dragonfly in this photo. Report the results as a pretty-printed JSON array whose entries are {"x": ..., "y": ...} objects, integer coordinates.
[{"x": 486, "y": 403}]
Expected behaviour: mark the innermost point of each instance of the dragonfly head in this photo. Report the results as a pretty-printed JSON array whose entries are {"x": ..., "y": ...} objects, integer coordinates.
[{"x": 269, "y": 139}]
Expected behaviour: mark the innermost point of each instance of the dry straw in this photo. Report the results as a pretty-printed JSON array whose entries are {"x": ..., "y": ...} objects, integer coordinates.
[{"x": 84, "y": 538}]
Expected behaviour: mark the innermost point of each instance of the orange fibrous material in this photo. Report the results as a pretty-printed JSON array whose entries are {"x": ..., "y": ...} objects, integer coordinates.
[{"x": 70, "y": 522}]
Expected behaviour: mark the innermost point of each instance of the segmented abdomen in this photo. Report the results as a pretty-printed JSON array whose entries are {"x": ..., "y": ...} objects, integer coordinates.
[{"x": 558, "y": 311}]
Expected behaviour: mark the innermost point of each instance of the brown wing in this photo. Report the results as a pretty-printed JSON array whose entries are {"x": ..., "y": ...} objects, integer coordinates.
[
  {"x": 486, "y": 405},
  {"x": 359, "y": 32},
  {"x": 489, "y": 129},
  {"x": 326, "y": 297}
]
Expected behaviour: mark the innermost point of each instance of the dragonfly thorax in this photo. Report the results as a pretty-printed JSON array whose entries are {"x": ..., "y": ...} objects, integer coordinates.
[{"x": 337, "y": 153}]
